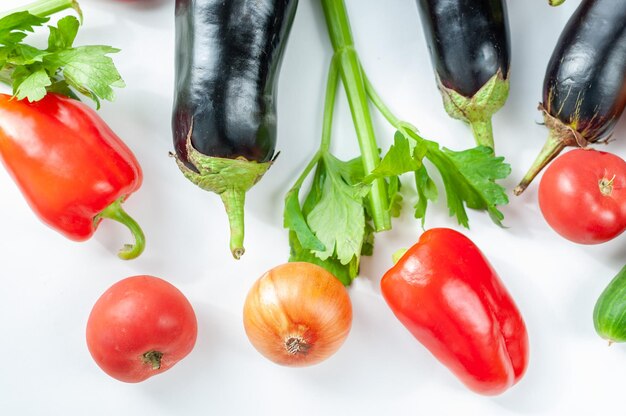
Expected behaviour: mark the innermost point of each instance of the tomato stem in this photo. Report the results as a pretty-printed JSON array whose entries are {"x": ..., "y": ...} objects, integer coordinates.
[
  {"x": 606, "y": 185},
  {"x": 153, "y": 358}
]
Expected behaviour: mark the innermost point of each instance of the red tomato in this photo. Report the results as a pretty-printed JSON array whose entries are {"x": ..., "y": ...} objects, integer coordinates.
[
  {"x": 582, "y": 195},
  {"x": 140, "y": 327}
]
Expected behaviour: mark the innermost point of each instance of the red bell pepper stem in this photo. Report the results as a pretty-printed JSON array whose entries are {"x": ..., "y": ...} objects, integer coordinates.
[
  {"x": 117, "y": 213},
  {"x": 395, "y": 257},
  {"x": 45, "y": 8}
]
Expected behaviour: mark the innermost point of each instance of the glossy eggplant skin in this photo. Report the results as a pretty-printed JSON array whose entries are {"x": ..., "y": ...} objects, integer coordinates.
[
  {"x": 585, "y": 82},
  {"x": 228, "y": 56},
  {"x": 468, "y": 41}
]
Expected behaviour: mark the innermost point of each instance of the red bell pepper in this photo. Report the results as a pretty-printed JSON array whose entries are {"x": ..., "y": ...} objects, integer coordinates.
[
  {"x": 448, "y": 296},
  {"x": 71, "y": 167}
]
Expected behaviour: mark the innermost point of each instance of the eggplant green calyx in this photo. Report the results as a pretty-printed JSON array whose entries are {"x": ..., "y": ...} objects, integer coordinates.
[
  {"x": 478, "y": 109},
  {"x": 230, "y": 179}
]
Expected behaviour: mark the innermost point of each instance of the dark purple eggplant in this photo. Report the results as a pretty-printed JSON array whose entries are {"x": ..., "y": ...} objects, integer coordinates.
[
  {"x": 469, "y": 47},
  {"x": 228, "y": 56},
  {"x": 584, "y": 90}
]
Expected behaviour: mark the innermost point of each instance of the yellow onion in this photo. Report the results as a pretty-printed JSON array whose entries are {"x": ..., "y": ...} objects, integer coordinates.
[{"x": 297, "y": 314}]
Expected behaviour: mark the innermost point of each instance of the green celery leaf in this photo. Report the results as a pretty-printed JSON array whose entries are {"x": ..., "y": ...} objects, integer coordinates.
[
  {"x": 395, "y": 197},
  {"x": 368, "y": 239},
  {"x": 23, "y": 54},
  {"x": 61, "y": 87},
  {"x": 469, "y": 178},
  {"x": 351, "y": 171},
  {"x": 345, "y": 273},
  {"x": 426, "y": 191},
  {"x": 62, "y": 36},
  {"x": 315, "y": 193},
  {"x": 11, "y": 39},
  {"x": 89, "y": 70},
  {"x": 338, "y": 220},
  {"x": 30, "y": 85},
  {"x": 294, "y": 221},
  {"x": 12, "y": 26},
  {"x": 398, "y": 160},
  {"x": 481, "y": 169}
]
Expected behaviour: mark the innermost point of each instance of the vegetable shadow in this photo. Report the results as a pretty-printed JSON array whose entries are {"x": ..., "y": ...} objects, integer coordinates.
[
  {"x": 200, "y": 369},
  {"x": 538, "y": 390}
]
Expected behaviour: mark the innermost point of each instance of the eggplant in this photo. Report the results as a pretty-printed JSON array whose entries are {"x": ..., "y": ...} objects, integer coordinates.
[
  {"x": 584, "y": 90},
  {"x": 228, "y": 58},
  {"x": 469, "y": 46}
]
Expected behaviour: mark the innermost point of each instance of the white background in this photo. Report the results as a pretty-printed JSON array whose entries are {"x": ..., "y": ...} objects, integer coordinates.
[{"x": 49, "y": 284}]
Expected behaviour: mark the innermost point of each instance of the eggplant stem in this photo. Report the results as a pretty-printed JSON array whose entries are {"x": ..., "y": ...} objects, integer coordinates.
[
  {"x": 553, "y": 146},
  {"x": 234, "y": 200},
  {"x": 483, "y": 132}
]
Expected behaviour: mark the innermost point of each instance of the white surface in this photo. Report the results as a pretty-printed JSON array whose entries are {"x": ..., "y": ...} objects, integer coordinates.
[{"x": 49, "y": 284}]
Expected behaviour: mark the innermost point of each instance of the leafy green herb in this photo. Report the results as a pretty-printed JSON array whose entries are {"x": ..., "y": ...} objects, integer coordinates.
[
  {"x": 61, "y": 67},
  {"x": 344, "y": 272},
  {"x": 349, "y": 201},
  {"x": 468, "y": 176},
  {"x": 342, "y": 232},
  {"x": 332, "y": 229}
]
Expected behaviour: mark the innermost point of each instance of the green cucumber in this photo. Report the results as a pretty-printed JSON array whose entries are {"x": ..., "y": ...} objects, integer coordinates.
[{"x": 609, "y": 315}]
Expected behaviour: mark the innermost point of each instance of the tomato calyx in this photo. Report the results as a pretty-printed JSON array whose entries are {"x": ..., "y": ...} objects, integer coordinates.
[
  {"x": 606, "y": 186},
  {"x": 153, "y": 358}
]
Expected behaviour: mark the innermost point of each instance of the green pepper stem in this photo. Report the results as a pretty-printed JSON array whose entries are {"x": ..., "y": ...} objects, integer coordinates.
[
  {"x": 483, "y": 132},
  {"x": 234, "y": 200},
  {"x": 352, "y": 77},
  {"x": 45, "y": 8},
  {"x": 116, "y": 212},
  {"x": 395, "y": 257},
  {"x": 553, "y": 146}
]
